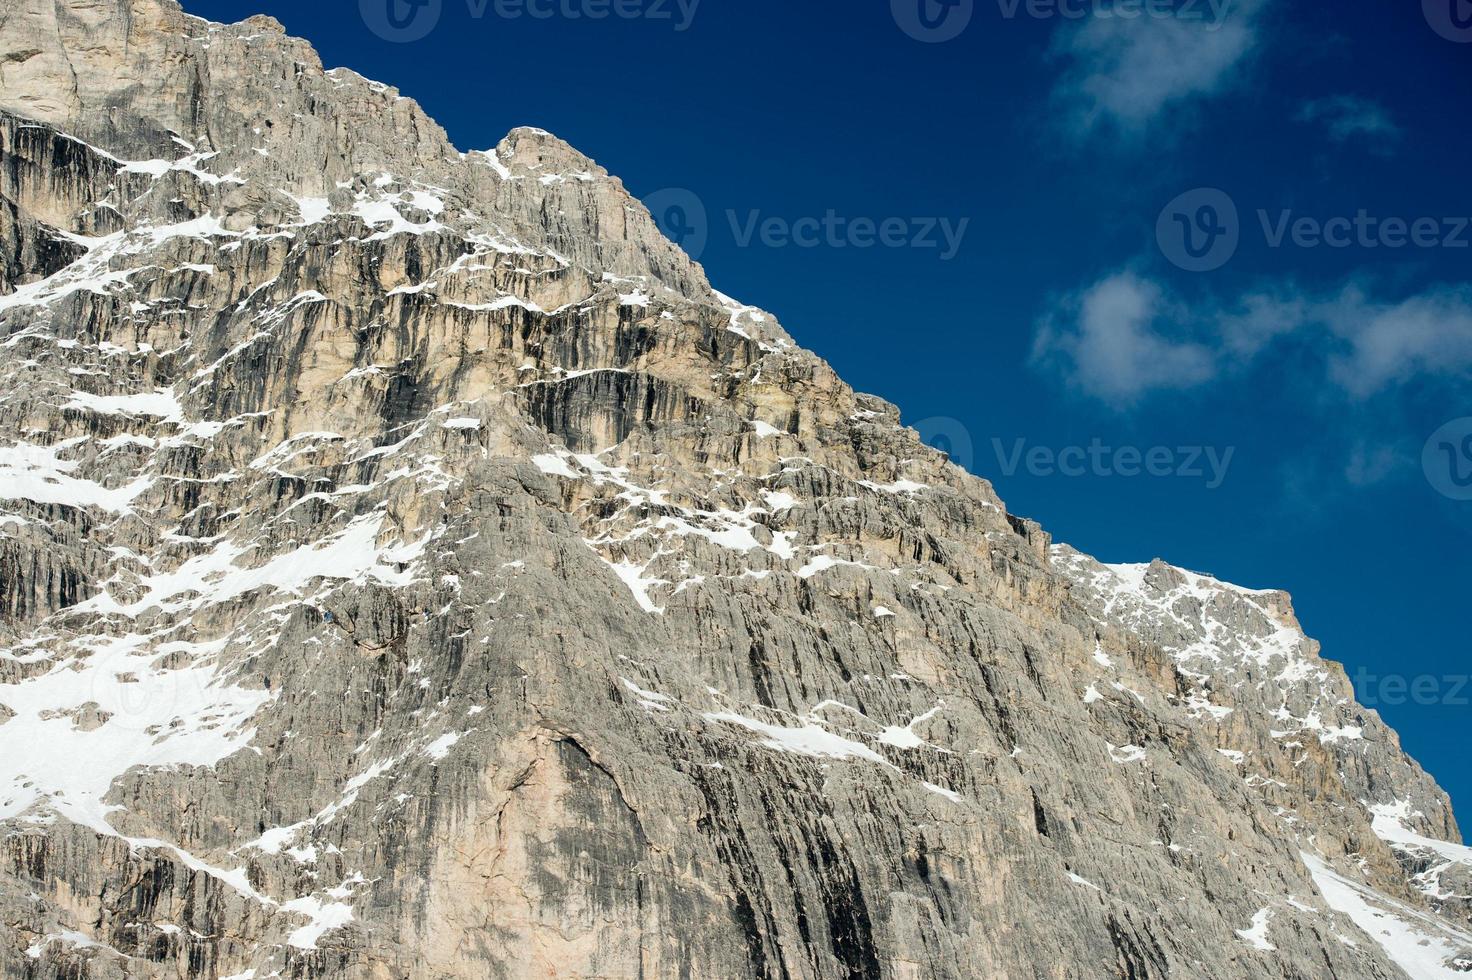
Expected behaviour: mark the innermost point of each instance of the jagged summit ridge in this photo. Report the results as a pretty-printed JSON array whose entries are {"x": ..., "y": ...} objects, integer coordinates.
[
  {"x": 412, "y": 568},
  {"x": 255, "y": 109}
]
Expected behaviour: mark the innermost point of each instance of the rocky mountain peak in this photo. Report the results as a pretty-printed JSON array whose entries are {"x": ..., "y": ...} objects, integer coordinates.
[
  {"x": 537, "y": 153},
  {"x": 410, "y": 566},
  {"x": 264, "y": 24}
]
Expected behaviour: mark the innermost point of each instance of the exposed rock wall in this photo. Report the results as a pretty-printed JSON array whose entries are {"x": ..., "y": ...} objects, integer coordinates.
[{"x": 410, "y": 567}]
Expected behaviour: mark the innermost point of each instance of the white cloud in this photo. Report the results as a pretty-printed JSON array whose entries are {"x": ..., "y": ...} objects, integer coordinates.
[
  {"x": 1123, "y": 73},
  {"x": 1345, "y": 117},
  {"x": 1367, "y": 344},
  {"x": 1395, "y": 342},
  {"x": 1257, "y": 319},
  {"x": 1114, "y": 350},
  {"x": 1125, "y": 337}
]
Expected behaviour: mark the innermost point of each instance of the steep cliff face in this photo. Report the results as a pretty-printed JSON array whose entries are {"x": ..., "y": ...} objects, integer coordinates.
[{"x": 410, "y": 567}]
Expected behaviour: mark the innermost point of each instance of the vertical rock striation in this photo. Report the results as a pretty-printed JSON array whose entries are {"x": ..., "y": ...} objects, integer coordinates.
[{"x": 410, "y": 567}]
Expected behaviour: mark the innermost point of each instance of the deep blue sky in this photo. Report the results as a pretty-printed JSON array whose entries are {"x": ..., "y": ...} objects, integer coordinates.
[{"x": 1062, "y": 140}]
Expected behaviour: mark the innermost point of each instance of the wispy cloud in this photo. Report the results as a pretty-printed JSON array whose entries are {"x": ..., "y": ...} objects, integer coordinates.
[
  {"x": 1125, "y": 337},
  {"x": 1122, "y": 74},
  {"x": 1348, "y": 117},
  {"x": 1370, "y": 464},
  {"x": 1109, "y": 342},
  {"x": 1390, "y": 343}
]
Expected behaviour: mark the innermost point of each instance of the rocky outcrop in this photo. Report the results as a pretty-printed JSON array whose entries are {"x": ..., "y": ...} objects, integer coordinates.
[{"x": 410, "y": 567}]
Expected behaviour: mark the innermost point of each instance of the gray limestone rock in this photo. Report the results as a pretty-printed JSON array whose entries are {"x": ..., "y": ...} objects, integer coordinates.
[{"x": 410, "y": 567}]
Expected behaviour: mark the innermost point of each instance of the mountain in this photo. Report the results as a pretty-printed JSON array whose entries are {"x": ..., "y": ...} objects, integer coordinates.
[{"x": 410, "y": 567}]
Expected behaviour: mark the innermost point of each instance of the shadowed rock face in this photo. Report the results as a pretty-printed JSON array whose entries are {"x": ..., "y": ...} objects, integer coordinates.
[{"x": 410, "y": 567}]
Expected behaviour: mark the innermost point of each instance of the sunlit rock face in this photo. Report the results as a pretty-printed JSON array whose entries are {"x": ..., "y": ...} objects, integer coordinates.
[{"x": 411, "y": 568}]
